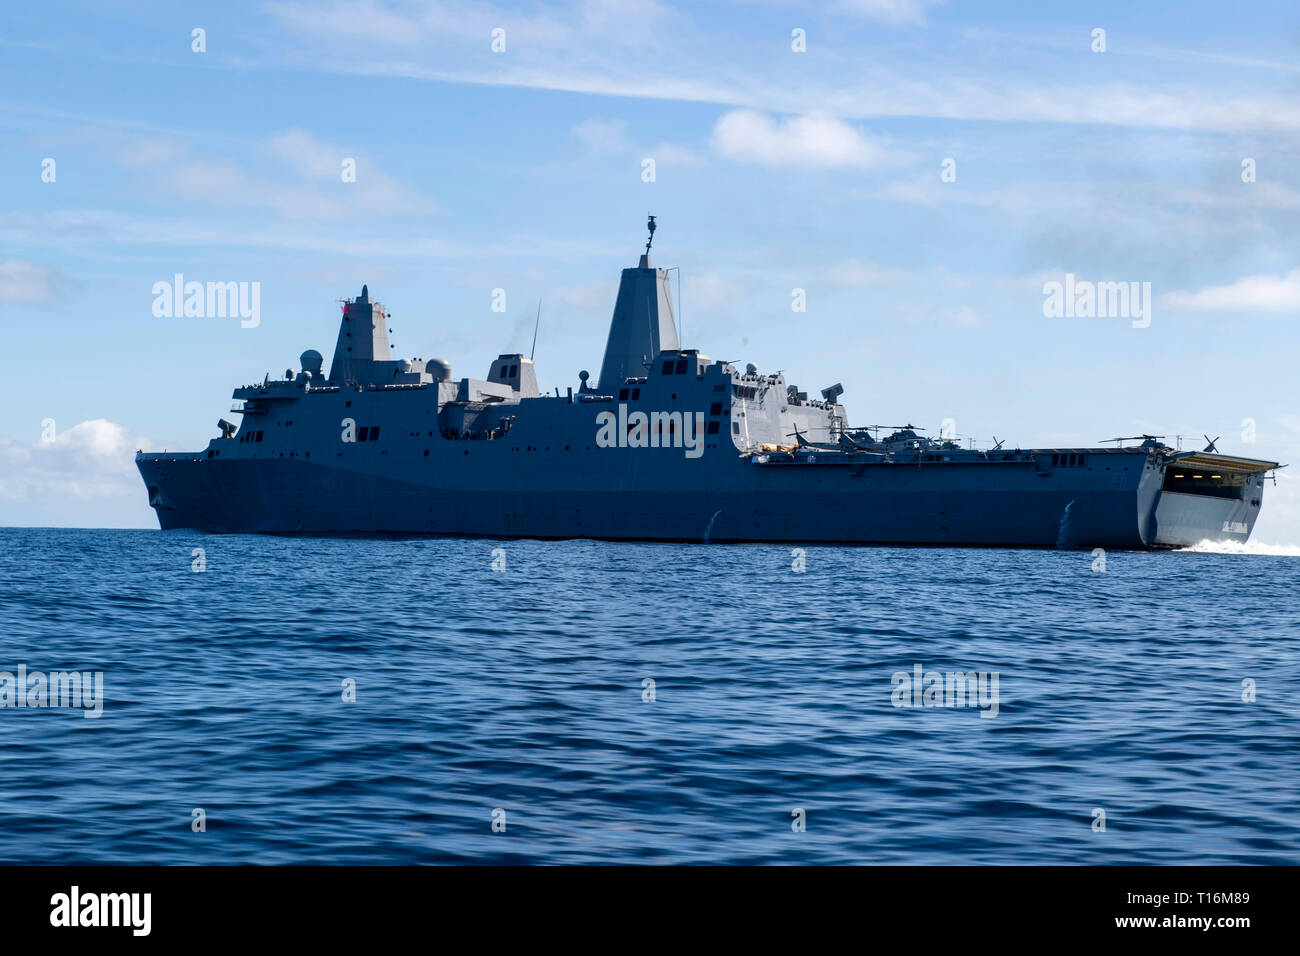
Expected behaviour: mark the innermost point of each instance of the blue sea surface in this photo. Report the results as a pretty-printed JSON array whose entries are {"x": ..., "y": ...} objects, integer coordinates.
[{"x": 519, "y": 695}]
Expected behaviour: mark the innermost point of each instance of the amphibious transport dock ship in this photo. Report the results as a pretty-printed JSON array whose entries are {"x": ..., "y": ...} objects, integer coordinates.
[{"x": 666, "y": 444}]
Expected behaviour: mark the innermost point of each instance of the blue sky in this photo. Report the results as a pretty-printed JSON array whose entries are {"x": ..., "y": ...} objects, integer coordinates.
[{"x": 774, "y": 170}]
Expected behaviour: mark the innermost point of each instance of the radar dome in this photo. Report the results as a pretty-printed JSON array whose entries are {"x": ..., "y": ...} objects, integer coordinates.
[
  {"x": 440, "y": 369},
  {"x": 311, "y": 362}
]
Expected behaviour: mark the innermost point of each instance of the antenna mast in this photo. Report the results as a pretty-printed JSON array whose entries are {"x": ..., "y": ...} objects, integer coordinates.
[{"x": 533, "y": 350}]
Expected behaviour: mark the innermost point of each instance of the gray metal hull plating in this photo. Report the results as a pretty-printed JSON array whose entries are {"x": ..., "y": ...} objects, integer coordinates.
[{"x": 635, "y": 497}]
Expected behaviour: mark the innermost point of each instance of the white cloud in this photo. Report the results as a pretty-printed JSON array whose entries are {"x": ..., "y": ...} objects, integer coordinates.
[
  {"x": 92, "y": 459},
  {"x": 1263, "y": 292},
  {"x": 810, "y": 141},
  {"x": 24, "y": 282},
  {"x": 898, "y": 13},
  {"x": 296, "y": 175}
]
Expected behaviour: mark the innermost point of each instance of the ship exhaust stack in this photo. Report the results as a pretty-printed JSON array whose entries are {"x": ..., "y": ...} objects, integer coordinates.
[
  {"x": 643, "y": 324},
  {"x": 363, "y": 338}
]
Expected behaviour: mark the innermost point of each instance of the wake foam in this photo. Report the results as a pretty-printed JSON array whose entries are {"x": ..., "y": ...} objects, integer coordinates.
[{"x": 1249, "y": 547}]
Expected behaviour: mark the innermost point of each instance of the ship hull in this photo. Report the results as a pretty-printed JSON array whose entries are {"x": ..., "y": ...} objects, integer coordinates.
[{"x": 736, "y": 500}]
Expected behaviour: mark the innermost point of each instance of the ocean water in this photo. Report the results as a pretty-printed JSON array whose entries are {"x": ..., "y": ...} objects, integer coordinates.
[{"x": 519, "y": 695}]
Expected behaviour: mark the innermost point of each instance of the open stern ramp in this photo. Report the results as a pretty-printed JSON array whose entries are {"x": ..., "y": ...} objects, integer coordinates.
[{"x": 1208, "y": 496}]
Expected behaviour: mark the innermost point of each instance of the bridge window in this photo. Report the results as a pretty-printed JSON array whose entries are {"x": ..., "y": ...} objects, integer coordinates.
[
  {"x": 681, "y": 366},
  {"x": 668, "y": 367}
]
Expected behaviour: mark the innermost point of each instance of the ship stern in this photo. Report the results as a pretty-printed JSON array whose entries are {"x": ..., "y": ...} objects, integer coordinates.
[{"x": 1206, "y": 496}]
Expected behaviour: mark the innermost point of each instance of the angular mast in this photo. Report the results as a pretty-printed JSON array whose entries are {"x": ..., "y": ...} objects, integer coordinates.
[
  {"x": 363, "y": 338},
  {"x": 643, "y": 324}
]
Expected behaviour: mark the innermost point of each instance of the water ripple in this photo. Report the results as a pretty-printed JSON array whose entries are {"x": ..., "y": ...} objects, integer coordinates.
[{"x": 524, "y": 691}]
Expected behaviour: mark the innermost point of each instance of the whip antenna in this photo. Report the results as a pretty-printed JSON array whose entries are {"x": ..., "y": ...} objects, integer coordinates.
[{"x": 533, "y": 350}]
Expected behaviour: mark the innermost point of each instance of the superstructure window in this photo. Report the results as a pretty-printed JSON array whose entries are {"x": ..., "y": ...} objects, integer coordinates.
[
  {"x": 668, "y": 367},
  {"x": 681, "y": 366}
]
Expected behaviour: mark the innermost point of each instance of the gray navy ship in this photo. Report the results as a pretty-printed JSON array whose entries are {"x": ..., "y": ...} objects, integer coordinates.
[{"x": 667, "y": 444}]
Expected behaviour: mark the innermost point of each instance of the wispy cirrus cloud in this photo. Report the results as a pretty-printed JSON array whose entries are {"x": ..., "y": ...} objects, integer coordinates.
[
  {"x": 589, "y": 48},
  {"x": 602, "y": 135},
  {"x": 896, "y": 13},
  {"x": 610, "y": 137},
  {"x": 294, "y": 174}
]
